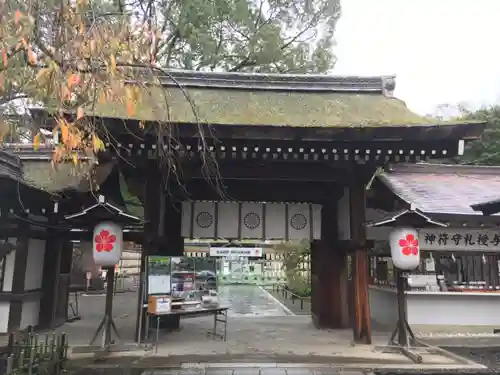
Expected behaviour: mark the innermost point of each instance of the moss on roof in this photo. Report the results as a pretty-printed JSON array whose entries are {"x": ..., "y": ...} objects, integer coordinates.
[
  {"x": 264, "y": 107},
  {"x": 41, "y": 174}
]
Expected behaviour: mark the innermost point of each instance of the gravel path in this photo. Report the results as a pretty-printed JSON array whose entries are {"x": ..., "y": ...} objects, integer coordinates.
[
  {"x": 487, "y": 356},
  {"x": 481, "y": 349}
]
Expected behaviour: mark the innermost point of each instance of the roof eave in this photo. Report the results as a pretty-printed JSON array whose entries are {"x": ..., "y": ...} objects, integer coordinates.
[
  {"x": 393, "y": 220},
  {"x": 487, "y": 208},
  {"x": 113, "y": 210}
]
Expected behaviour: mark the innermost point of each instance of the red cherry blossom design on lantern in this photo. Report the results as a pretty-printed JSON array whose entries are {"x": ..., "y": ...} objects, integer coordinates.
[
  {"x": 409, "y": 245},
  {"x": 104, "y": 241}
]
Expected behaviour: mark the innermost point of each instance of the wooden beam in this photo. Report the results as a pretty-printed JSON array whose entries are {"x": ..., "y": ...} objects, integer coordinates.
[
  {"x": 350, "y": 246},
  {"x": 425, "y": 133},
  {"x": 260, "y": 170},
  {"x": 265, "y": 191}
]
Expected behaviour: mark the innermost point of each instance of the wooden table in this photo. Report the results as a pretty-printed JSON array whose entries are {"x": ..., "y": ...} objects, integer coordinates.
[{"x": 219, "y": 313}]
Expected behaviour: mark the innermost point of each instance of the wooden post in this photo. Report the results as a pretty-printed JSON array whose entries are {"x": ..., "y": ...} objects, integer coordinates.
[
  {"x": 329, "y": 274},
  {"x": 172, "y": 223},
  {"x": 66, "y": 261},
  {"x": 153, "y": 191},
  {"x": 361, "y": 306}
]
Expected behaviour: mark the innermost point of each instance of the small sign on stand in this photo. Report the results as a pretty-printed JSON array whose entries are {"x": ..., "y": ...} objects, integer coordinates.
[{"x": 159, "y": 305}]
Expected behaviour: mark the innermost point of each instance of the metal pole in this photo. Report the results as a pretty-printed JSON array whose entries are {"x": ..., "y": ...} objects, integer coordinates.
[
  {"x": 110, "y": 279},
  {"x": 140, "y": 300},
  {"x": 402, "y": 332},
  {"x": 140, "y": 316}
]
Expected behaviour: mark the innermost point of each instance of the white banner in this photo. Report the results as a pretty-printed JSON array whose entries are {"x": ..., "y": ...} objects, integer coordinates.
[
  {"x": 230, "y": 220},
  {"x": 236, "y": 251}
]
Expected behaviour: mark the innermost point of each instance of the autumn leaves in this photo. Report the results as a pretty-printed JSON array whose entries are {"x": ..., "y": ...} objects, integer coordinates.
[{"x": 74, "y": 67}]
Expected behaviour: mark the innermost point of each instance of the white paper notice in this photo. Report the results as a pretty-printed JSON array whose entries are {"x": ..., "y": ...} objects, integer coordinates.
[{"x": 158, "y": 284}]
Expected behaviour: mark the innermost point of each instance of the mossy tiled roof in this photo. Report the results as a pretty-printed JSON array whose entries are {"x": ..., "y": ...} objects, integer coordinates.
[
  {"x": 266, "y": 99},
  {"x": 65, "y": 176},
  {"x": 264, "y": 107}
]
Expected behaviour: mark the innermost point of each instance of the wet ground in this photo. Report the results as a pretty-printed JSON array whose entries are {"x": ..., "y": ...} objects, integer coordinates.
[
  {"x": 259, "y": 328},
  {"x": 250, "y": 301},
  {"x": 244, "y": 302}
]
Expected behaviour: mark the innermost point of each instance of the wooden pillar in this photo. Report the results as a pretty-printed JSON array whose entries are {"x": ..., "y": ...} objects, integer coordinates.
[
  {"x": 153, "y": 193},
  {"x": 18, "y": 277},
  {"x": 361, "y": 306},
  {"x": 174, "y": 242},
  {"x": 65, "y": 263},
  {"x": 329, "y": 274}
]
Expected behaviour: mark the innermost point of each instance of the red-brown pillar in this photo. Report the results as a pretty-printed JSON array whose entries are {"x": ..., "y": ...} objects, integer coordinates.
[
  {"x": 361, "y": 306},
  {"x": 329, "y": 274}
]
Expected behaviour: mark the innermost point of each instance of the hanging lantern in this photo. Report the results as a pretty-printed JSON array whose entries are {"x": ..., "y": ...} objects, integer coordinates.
[
  {"x": 108, "y": 243},
  {"x": 405, "y": 251}
]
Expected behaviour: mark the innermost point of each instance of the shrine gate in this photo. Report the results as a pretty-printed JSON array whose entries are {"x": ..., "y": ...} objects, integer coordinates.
[{"x": 269, "y": 157}]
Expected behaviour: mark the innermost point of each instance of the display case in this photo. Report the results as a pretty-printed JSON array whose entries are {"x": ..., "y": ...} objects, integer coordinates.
[{"x": 185, "y": 279}]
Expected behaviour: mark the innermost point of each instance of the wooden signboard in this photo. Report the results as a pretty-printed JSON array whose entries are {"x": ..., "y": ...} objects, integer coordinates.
[{"x": 159, "y": 304}]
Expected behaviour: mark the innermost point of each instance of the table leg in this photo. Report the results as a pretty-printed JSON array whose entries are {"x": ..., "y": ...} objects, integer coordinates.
[
  {"x": 225, "y": 324},
  {"x": 157, "y": 332},
  {"x": 146, "y": 334},
  {"x": 214, "y": 333}
]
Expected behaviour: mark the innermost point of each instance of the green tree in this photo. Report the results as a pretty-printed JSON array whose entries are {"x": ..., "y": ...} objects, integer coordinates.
[
  {"x": 68, "y": 55},
  {"x": 293, "y": 255},
  {"x": 242, "y": 35},
  {"x": 485, "y": 151}
]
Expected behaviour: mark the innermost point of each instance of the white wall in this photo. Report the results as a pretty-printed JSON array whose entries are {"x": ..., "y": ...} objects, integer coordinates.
[
  {"x": 30, "y": 312},
  {"x": 4, "y": 316},
  {"x": 33, "y": 281},
  {"x": 34, "y": 265},
  {"x": 383, "y": 306},
  {"x": 473, "y": 309},
  {"x": 9, "y": 268},
  {"x": 436, "y": 309}
]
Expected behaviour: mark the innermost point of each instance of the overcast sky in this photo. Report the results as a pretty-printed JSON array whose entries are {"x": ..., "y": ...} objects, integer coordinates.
[{"x": 442, "y": 51}]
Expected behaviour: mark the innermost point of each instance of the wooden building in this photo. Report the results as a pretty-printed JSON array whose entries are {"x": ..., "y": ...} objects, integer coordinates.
[
  {"x": 33, "y": 259},
  {"x": 306, "y": 145},
  {"x": 459, "y": 269},
  {"x": 36, "y": 248}
]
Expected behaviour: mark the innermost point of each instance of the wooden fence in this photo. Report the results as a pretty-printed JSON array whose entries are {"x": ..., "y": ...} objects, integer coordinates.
[{"x": 32, "y": 354}]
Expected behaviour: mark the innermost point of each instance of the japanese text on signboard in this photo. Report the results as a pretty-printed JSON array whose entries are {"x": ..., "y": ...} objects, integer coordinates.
[{"x": 460, "y": 239}]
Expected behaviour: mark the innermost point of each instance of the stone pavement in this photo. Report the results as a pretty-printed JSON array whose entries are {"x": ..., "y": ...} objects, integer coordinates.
[
  {"x": 260, "y": 329},
  {"x": 250, "y": 301},
  {"x": 257, "y": 371}
]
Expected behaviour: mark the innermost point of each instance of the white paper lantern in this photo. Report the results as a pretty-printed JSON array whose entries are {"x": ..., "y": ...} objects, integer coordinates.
[
  {"x": 405, "y": 250},
  {"x": 108, "y": 243}
]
